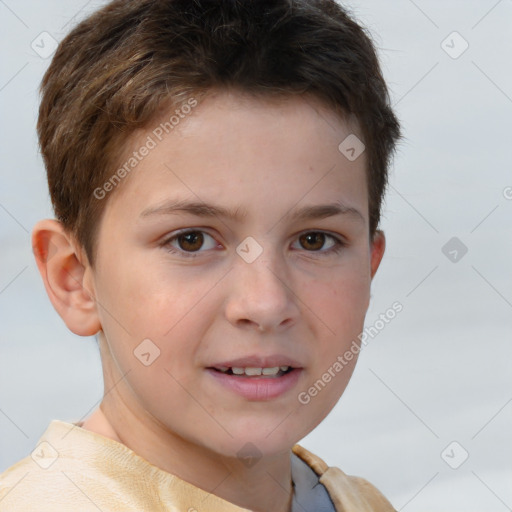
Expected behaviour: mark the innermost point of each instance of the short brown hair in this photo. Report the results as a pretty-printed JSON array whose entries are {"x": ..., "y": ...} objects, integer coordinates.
[{"x": 115, "y": 69}]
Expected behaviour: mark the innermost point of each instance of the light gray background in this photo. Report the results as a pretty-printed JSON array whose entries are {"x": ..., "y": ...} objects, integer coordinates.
[{"x": 440, "y": 371}]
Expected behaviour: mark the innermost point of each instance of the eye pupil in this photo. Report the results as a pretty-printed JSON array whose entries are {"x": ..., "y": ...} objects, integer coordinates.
[
  {"x": 315, "y": 239},
  {"x": 193, "y": 241}
]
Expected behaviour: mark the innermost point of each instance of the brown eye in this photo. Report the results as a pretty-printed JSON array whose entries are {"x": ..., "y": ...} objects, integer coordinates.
[
  {"x": 313, "y": 241},
  {"x": 191, "y": 241},
  {"x": 321, "y": 244}
]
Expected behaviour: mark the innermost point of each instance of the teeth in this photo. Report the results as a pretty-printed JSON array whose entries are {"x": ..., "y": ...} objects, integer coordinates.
[
  {"x": 270, "y": 371},
  {"x": 251, "y": 371}
]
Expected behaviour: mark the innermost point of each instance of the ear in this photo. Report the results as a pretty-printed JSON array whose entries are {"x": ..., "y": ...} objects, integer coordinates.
[
  {"x": 378, "y": 246},
  {"x": 67, "y": 275}
]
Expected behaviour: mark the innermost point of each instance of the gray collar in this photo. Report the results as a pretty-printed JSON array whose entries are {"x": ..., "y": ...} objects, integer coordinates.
[{"x": 309, "y": 494}]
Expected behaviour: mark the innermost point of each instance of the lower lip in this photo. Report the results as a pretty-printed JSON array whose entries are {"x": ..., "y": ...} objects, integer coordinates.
[{"x": 258, "y": 388}]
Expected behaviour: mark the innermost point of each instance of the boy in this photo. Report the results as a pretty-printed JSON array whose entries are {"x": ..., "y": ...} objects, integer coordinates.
[{"x": 197, "y": 154}]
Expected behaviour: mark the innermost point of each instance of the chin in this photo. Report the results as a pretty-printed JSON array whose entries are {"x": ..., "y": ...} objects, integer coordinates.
[{"x": 256, "y": 437}]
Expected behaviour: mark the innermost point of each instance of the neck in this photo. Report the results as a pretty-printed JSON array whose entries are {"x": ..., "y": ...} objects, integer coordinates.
[{"x": 265, "y": 485}]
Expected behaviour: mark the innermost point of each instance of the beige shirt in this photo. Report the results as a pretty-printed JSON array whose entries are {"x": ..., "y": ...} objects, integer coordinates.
[{"x": 73, "y": 469}]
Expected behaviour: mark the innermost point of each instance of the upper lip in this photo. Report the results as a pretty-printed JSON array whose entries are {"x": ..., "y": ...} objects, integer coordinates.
[{"x": 254, "y": 361}]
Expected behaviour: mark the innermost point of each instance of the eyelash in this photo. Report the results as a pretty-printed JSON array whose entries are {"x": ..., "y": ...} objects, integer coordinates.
[{"x": 336, "y": 249}]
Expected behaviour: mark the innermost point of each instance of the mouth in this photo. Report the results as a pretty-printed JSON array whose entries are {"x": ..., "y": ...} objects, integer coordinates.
[
  {"x": 257, "y": 378},
  {"x": 249, "y": 371}
]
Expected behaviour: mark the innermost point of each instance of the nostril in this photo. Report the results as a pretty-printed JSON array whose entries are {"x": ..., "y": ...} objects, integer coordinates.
[{"x": 245, "y": 321}]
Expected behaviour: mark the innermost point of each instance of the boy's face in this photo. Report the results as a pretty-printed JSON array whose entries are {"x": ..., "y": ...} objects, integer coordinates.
[{"x": 210, "y": 299}]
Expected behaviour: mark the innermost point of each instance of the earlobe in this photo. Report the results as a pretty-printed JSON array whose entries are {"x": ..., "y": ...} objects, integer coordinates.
[
  {"x": 63, "y": 267},
  {"x": 378, "y": 246}
]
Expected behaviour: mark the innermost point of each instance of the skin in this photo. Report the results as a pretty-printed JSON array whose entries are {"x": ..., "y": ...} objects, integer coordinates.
[{"x": 297, "y": 299}]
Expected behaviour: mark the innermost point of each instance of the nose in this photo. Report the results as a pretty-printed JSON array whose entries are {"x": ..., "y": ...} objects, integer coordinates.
[{"x": 261, "y": 296}]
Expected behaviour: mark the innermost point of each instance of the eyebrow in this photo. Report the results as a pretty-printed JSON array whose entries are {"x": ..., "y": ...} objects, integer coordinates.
[{"x": 201, "y": 209}]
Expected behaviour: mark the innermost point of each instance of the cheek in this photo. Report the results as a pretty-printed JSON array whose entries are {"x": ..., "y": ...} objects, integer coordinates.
[
  {"x": 153, "y": 314},
  {"x": 148, "y": 298},
  {"x": 341, "y": 302},
  {"x": 338, "y": 308}
]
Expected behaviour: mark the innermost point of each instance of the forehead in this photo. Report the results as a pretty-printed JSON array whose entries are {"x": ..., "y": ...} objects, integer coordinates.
[
  {"x": 241, "y": 150},
  {"x": 234, "y": 113}
]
